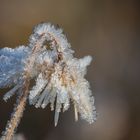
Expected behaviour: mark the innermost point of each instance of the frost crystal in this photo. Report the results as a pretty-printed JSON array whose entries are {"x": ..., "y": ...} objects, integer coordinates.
[
  {"x": 11, "y": 65},
  {"x": 59, "y": 77}
]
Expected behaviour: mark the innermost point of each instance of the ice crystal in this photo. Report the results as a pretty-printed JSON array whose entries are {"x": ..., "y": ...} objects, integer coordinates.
[
  {"x": 11, "y": 65},
  {"x": 59, "y": 76}
]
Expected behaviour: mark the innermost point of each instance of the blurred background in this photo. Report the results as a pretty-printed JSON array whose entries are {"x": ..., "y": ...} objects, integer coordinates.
[{"x": 109, "y": 30}]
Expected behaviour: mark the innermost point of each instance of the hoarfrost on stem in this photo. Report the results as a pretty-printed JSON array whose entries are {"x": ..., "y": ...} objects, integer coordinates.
[{"x": 59, "y": 76}]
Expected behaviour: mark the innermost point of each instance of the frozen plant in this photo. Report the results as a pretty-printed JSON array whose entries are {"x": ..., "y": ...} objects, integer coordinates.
[{"x": 59, "y": 76}]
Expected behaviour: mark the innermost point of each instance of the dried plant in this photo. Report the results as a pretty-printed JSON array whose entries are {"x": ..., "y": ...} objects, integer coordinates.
[{"x": 59, "y": 77}]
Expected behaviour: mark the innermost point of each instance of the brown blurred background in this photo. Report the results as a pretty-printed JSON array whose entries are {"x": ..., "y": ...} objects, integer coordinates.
[{"x": 109, "y": 30}]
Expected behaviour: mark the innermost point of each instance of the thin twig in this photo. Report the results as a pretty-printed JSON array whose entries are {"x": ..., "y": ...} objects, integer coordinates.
[{"x": 18, "y": 111}]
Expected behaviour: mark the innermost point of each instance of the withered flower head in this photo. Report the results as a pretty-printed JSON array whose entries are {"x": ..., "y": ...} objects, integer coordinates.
[{"x": 59, "y": 76}]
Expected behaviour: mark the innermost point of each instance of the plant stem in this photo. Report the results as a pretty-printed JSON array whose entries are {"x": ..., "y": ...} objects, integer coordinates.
[{"x": 17, "y": 113}]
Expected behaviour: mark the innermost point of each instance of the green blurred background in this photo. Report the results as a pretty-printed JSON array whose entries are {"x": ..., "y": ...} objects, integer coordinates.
[{"x": 109, "y": 30}]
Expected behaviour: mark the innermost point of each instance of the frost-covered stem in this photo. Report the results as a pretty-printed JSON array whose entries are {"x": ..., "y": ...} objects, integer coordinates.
[
  {"x": 18, "y": 111},
  {"x": 21, "y": 102}
]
